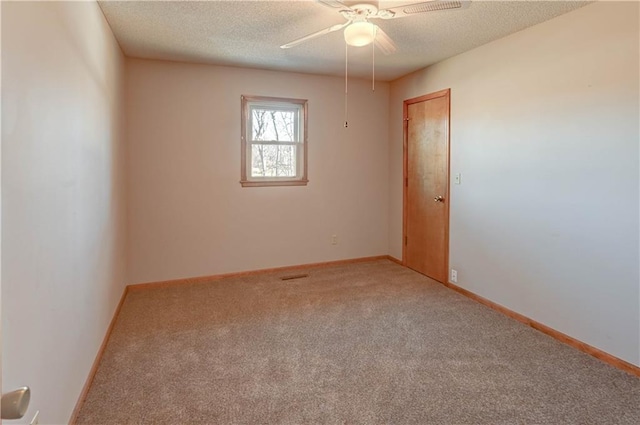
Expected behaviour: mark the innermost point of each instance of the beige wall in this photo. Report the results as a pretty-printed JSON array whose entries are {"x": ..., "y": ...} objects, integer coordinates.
[
  {"x": 189, "y": 214},
  {"x": 63, "y": 217},
  {"x": 1, "y": 387},
  {"x": 545, "y": 131}
]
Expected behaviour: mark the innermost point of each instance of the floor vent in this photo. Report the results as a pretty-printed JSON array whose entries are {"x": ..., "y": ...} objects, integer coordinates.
[{"x": 294, "y": 276}]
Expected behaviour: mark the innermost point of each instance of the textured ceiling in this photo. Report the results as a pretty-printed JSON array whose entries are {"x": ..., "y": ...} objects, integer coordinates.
[{"x": 249, "y": 33}]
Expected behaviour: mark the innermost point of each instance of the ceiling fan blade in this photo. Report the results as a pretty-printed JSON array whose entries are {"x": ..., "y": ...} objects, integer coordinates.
[
  {"x": 424, "y": 7},
  {"x": 314, "y": 35},
  {"x": 384, "y": 42},
  {"x": 334, "y": 4}
]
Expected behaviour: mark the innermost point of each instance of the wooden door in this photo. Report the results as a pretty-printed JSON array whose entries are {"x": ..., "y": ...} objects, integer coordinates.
[{"x": 426, "y": 191}]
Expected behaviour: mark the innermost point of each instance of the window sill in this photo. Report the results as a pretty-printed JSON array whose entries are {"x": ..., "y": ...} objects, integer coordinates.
[{"x": 254, "y": 183}]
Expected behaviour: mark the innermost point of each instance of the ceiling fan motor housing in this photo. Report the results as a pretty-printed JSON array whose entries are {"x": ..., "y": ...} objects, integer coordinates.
[
  {"x": 362, "y": 9},
  {"x": 353, "y": 4}
]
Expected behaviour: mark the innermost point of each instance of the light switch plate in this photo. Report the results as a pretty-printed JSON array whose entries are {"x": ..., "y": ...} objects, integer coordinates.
[{"x": 457, "y": 178}]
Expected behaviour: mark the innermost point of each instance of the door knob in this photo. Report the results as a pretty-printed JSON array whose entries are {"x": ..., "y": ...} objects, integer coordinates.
[
  {"x": 438, "y": 199},
  {"x": 15, "y": 403}
]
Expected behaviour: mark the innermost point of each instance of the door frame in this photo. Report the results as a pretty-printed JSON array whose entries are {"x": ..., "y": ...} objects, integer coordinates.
[{"x": 405, "y": 145}]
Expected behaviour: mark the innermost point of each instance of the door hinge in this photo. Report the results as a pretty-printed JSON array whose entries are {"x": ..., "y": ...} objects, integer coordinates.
[
  {"x": 405, "y": 240},
  {"x": 406, "y": 181}
]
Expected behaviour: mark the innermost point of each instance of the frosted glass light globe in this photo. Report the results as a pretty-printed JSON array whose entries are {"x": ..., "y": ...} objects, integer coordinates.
[{"x": 359, "y": 34}]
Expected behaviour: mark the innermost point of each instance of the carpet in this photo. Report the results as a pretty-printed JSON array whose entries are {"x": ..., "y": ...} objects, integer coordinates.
[{"x": 365, "y": 343}]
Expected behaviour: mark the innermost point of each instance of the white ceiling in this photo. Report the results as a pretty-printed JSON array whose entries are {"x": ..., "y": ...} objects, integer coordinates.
[{"x": 249, "y": 33}]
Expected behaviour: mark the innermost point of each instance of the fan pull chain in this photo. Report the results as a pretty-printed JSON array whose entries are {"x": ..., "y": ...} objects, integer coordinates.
[
  {"x": 373, "y": 49},
  {"x": 346, "y": 84}
]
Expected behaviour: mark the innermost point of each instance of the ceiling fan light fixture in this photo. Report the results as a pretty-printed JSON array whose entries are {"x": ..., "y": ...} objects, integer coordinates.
[{"x": 359, "y": 34}]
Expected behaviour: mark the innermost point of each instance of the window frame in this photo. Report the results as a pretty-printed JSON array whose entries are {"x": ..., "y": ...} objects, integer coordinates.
[{"x": 248, "y": 102}]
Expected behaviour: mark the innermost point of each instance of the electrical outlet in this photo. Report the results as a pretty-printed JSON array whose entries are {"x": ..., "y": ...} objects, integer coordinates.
[
  {"x": 36, "y": 419},
  {"x": 454, "y": 276},
  {"x": 334, "y": 239}
]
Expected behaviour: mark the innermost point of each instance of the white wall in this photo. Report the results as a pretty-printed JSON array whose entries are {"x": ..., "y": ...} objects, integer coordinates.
[
  {"x": 545, "y": 131},
  {"x": 63, "y": 217},
  {"x": 1, "y": 388},
  {"x": 189, "y": 214}
]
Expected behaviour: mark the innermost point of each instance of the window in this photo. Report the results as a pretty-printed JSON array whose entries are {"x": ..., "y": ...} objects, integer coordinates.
[{"x": 274, "y": 141}]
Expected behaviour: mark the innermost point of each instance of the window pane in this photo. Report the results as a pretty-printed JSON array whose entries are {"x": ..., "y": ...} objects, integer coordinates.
[
  {"x": 273, "y": 161},
  {"x": 273, "y": 125}
]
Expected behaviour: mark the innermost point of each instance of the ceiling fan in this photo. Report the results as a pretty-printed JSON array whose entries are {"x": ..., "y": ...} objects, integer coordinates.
[{"x": 358, "y": 31}]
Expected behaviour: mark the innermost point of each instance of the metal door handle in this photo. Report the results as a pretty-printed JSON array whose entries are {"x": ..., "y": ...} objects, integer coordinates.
[
  {"x": 15, "y": 403},
  {"x": 438, "y": 199}
]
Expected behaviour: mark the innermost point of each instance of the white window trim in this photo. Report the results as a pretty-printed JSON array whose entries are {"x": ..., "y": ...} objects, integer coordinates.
[{"x": 246, "y": 180}]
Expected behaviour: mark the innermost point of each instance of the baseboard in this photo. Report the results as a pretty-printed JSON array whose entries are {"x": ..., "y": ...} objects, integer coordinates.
[
  {"x": 201, "y": 279},
  {"x": 96, "y": 362},
  {"x": 395, "y": 260},
  {"x": 566, "y": 339}
]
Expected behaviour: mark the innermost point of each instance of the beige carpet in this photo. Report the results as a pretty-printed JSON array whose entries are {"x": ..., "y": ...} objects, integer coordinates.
[{"x": 369, "y": 343}]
